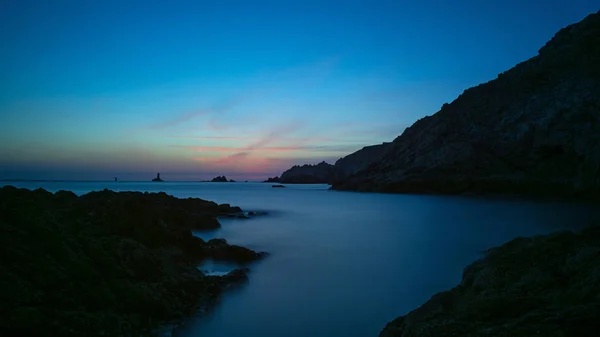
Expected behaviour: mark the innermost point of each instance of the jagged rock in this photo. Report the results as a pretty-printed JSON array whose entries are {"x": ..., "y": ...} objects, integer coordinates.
[
  {"x": 105, "y": 263},
  {"x": 219, "y": 249},
  {"x": 228, "y": 209},
  {"x": 272, "y": 180},
  {"x": 542, "y": 286},
  {"x": 533, "y": 130},
  {"x": 219, "y": 179},
  {"x": 359, "y": 160},
  {"x": 322, "y": 173}
]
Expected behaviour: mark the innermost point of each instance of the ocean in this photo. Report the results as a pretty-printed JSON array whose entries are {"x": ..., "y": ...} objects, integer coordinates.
[{"x": 345, "y": 263}]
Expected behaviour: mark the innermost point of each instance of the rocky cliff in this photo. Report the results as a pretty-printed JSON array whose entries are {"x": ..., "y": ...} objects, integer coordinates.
[
  {"x": 106, "y": 263},
  {"x": 359, "y": 160},
  {"x": 541, "y": 286},
  {"x": 321, "y": 173},
  {"x": 533, "y": 130}
]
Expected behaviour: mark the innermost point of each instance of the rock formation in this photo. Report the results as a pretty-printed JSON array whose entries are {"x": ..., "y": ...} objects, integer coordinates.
[
  {"x": 541, "y": 286},
  {"x": 359, "y": 160},
  {"x": 533, "y": 130},
  {"x": 106, "y": 263},
  {"x": 219, "y": 179},
  {"x": 321, "y": 173},
  {"x": 272, "y": 180}
]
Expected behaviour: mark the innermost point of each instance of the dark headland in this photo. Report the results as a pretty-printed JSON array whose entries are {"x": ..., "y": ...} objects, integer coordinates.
[
  {"x": 535, "y": 130},
  {"x": 106, "y": 263}
]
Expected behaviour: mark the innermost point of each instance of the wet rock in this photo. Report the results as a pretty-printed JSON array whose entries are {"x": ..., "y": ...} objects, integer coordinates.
[{"x": 219, "y": 249}]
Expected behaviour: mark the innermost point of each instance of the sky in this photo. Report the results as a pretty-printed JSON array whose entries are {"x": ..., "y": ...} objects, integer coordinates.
[{"x": 195, "y": 89}]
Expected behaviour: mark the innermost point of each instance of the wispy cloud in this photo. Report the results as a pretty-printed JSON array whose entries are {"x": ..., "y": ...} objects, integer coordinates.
[
  {"x": 246, "y": 150},
  {"x": 263, "y": 86},
  {"x": 179, "y": 119},
  {"x": 215, "y": 111}
]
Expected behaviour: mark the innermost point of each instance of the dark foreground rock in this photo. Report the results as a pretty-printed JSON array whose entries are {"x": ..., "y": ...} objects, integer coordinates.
[
  {"x": 105, "y": 263},
  {"x": 541, "y": 286},
  {"x": 534, "y": 130}
]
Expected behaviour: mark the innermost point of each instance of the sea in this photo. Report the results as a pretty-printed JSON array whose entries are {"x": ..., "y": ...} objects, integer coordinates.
[{"x": 345, "y": 263}]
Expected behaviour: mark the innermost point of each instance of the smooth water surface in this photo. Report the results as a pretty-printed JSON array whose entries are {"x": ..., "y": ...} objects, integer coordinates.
[{"x": 343, "y": 263}]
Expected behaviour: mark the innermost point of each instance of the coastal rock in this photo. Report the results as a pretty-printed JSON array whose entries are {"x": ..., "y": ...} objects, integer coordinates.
[
  {"x": 534, "y": 130},
  {"x": 359, "y": 160},
  {"x": 272, "y": 180},
  {"x": 219, "y": 249},
  {"x": 228, "y": 209},
  {"x": 104, "y": 263},
  {"x": 219, "y": 179},
  {"x": 322, "y": 173},
  {"x": 542, "y": 286}
]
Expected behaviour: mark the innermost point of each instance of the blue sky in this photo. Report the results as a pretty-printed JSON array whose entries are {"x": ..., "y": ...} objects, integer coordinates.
[{"x": 194, "y": 89}]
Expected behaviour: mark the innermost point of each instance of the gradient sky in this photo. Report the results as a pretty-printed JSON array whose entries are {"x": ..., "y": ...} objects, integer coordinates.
[{"x": 96, "y": 89}]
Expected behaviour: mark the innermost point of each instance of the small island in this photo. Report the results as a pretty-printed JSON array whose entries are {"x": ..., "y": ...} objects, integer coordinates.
[
  {"x": 222, "y": 179},
  {"x": 157, "y": 178}
]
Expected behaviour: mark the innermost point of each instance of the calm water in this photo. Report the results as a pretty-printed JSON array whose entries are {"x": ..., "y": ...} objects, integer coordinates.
[{"x": 344, "y": 264}]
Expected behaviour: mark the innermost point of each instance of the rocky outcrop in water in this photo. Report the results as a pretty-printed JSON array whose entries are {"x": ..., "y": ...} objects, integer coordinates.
[
  {"x": 322, "y": 173},
  {"x": 106, "y": 263},
  {"x": 534, "y": 130},
  {"x": 219, "y": 179},
  {"x": 272, "y": 180},
  {"x": 157, "y": 179},
  {"x": 541, "y": 286}
]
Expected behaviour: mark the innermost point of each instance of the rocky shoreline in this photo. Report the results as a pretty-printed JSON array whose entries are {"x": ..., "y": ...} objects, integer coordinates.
[
  {"x": 107, "y": 263},
  {"x": 544, "y": 286}
]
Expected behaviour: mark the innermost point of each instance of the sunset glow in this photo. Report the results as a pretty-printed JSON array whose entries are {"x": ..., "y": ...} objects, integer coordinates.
[{"x": 93, "y": 90}]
